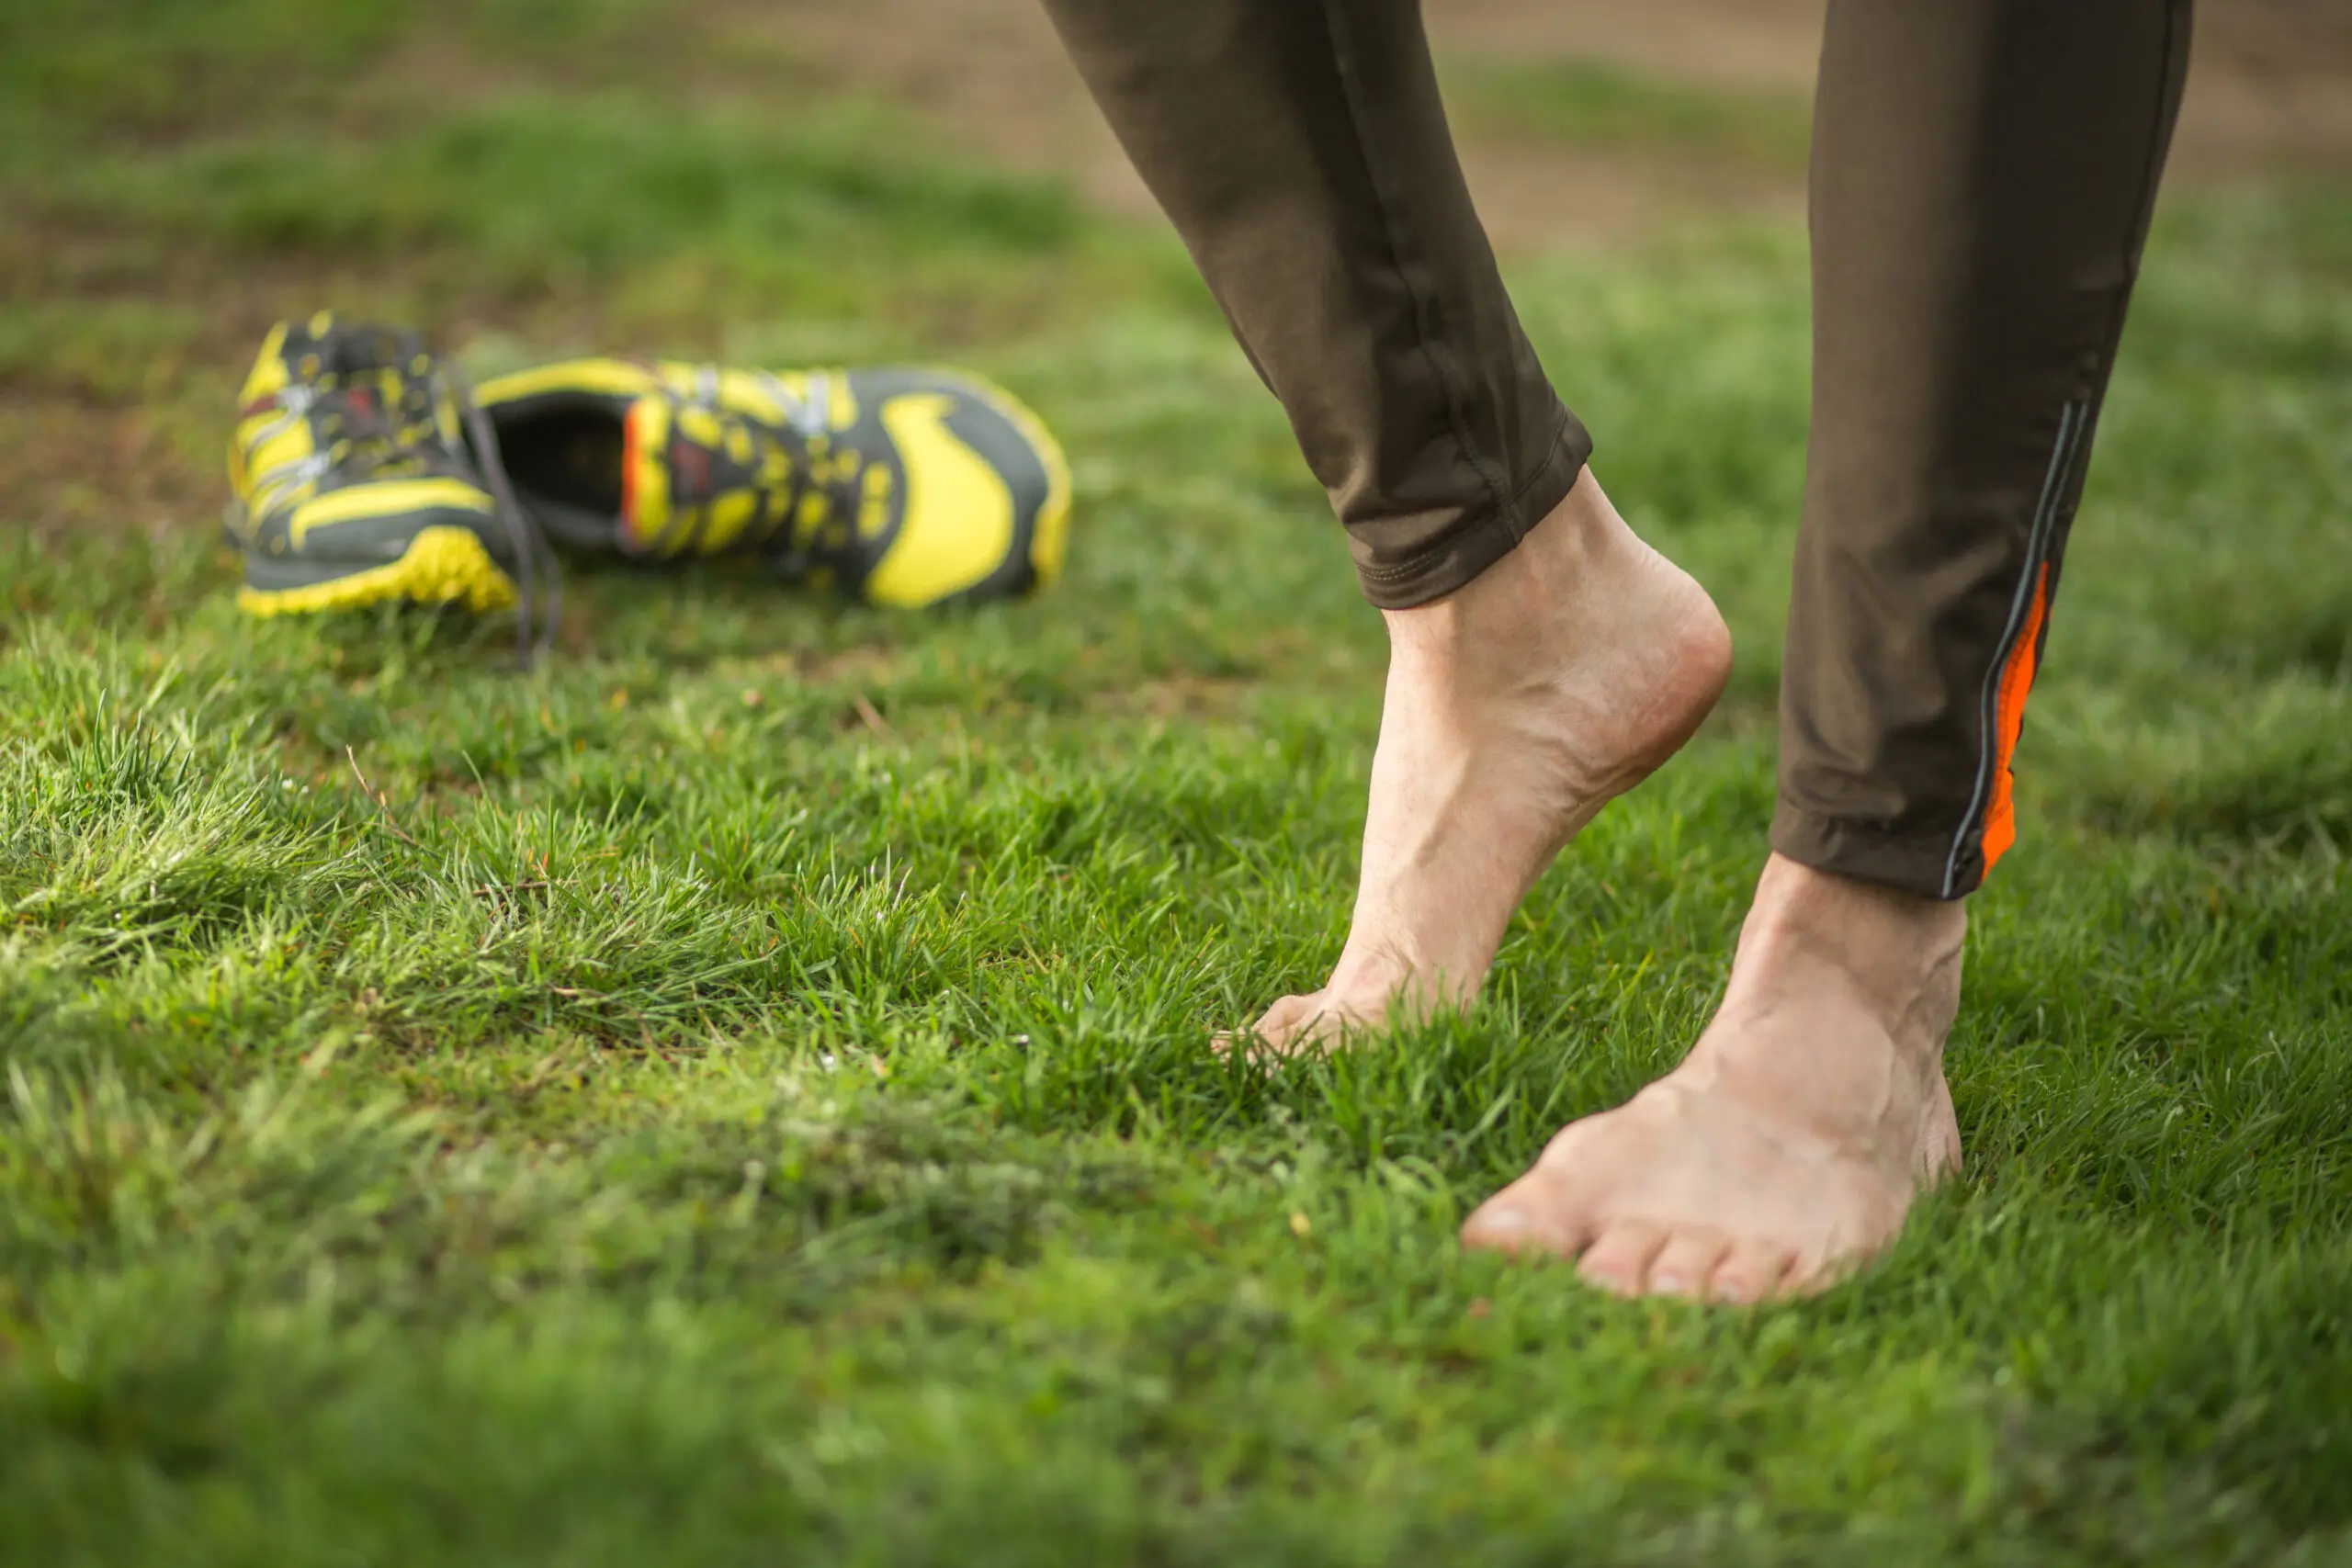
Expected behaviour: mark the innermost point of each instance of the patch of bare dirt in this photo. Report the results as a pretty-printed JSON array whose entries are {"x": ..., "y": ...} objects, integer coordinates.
[
  {"x": 2269, "y": 86},
  {"x": 73, "y": 468}
]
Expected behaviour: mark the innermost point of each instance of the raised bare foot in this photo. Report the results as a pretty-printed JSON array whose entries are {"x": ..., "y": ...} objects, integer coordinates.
[
  {"x": 1790, "y": 1144},
  {"x": 1517, "y": 708}
]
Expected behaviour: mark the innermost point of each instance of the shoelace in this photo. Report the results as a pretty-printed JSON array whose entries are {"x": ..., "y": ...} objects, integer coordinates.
[
  {"x": 775, "y": 529},
  {"x": 377, "y": 435},
  {"x": 534, "y": 555}
]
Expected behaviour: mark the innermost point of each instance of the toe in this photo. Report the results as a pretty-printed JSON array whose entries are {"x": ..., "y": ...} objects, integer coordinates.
[
  {"x": 1750, "y": 1271},
  {"x": 1528, "y": 1216},
  {"x": 1290, "y": 1022},
  {"x": 1277, "y": 1030},
  {"x": 1687, "y": 1261},
  {"x": 1619, "y": 1261},
  {"x": 1810, "y": 1274}
]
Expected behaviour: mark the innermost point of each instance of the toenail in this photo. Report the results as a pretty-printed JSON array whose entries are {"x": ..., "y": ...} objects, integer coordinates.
[
  {"x": 1505, "y": 1220},
  {"x": 1670, "y": 1285}
]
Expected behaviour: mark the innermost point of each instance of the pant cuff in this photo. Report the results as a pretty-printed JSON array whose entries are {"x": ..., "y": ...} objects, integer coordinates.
[
  {"x": 1868, "y": 853},
  {"x": 1489, "y": 534}
]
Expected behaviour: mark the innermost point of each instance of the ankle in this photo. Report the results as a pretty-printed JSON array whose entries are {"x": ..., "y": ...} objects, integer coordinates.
[
  {"x": 1578, "y": 547},
  {"x": 1866, "y": 920},
  {"x": 1895, "y": 955},
  {"x": 1571, "y": 567}
]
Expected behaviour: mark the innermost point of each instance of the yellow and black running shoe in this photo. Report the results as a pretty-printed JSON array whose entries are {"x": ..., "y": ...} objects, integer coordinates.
[
  {"x": 899, "y": 486},
  {"x": 352, "y": 481}
]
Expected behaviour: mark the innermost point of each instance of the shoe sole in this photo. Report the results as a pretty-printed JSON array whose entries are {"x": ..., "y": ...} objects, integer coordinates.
[{"x": 441, "y": 566}]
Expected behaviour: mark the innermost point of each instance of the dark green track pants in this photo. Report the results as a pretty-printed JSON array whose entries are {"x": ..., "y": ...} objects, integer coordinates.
[{"x": 1983, "y": 172}]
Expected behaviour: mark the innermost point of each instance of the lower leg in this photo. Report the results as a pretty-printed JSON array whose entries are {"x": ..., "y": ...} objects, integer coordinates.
[
  {"x": 1543, "y": 658},
  {"x": 1983, "y": 175},
  {"x": 1301, "y": 150}
]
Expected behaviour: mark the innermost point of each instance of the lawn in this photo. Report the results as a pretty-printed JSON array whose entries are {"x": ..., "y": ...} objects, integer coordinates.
[{"x": 741, "y": 1092}]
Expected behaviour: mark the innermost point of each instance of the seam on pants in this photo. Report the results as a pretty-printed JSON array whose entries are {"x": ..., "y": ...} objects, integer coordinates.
[
  {"x": 1448, "y": 377},
  {"x": 1558, "y": 443},
  {"x": 2071, "y": 420}
]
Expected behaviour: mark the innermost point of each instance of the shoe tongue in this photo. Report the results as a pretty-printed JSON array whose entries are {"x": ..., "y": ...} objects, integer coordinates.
[{"x": 668, "y": 475}]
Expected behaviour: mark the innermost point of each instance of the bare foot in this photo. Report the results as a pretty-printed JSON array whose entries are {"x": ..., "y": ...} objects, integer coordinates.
[
  {"x": 1790, "y": 1144},
  {"x": 1517, "y": 708}
]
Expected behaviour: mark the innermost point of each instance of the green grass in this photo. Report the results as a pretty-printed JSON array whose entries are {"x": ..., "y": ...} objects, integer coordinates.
[{"x": 683, "y": 1123}]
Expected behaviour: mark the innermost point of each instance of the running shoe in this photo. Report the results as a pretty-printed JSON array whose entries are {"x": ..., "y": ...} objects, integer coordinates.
[
  {"x": 353, "y": 482},
  {"x": 897, "y": 485}
]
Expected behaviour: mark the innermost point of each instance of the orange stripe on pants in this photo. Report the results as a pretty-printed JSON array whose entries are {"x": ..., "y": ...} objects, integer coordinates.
[{"x": 2017, "y": 680}]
